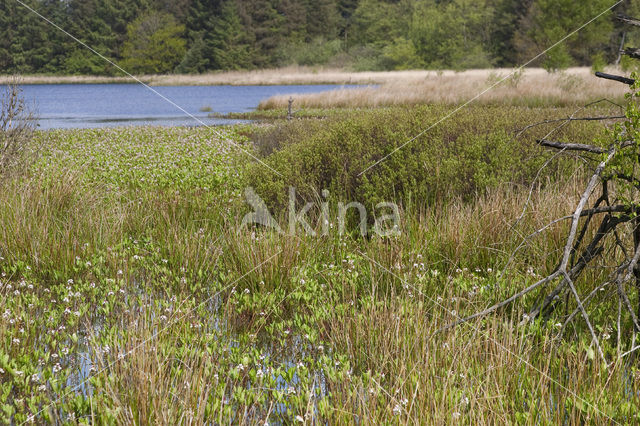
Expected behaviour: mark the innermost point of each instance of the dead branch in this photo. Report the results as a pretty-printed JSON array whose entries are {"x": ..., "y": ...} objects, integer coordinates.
[
  {"x": 613, "y": 77},
  {"x": 572, "y": 146},
  {"x": 631, "y": 52},
  {"x": 628, "y": 20}
]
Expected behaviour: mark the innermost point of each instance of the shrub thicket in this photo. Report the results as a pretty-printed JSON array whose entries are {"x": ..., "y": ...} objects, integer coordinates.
[{"x": 473, "y": 151}]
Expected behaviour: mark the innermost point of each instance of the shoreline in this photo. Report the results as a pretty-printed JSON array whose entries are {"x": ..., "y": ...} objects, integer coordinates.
[{"x": 283, "y": 77}]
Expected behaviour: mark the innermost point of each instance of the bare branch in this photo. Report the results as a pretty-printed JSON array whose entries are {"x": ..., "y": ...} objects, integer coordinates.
[
  {"x": 631, "y": 52},
  {"x": 572, "y": 146},
  {"x": 628, "y": 20},
  {"x": 613, "y": 77},
  {"x": 584, "y": 315}
]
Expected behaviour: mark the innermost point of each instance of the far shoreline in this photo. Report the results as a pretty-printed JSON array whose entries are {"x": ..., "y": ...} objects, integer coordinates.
[{"x": 274, "y": 77}]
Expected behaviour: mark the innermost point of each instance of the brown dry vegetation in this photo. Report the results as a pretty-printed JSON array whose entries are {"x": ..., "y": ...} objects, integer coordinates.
[
  {"x": 533, "y": 87},
  {"x": 280, "y": 76}
]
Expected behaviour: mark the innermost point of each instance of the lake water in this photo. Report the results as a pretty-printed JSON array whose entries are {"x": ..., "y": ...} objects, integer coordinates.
[{"x": 105, "y": 105}]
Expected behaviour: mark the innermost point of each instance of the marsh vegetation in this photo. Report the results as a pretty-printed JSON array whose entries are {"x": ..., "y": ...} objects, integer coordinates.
[{"x": 131, "y": 294}]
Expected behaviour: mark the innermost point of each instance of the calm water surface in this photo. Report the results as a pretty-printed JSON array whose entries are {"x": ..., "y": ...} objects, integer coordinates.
[{"x": 102, "y": 105}]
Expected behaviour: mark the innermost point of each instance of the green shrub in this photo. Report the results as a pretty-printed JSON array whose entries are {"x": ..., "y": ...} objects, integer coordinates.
[{"x": 465, "y": 155}]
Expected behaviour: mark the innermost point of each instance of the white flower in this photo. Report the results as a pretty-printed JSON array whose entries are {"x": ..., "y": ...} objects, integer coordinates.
[
  {"x": 259, "y": 373},
  {"x": 300, "y": 419},
  {"x": 456, "y": 415},
  {"x": 16, "y": 341},
  {"x": 57, "y": 368},
  {"x": 397, "y": 410}
]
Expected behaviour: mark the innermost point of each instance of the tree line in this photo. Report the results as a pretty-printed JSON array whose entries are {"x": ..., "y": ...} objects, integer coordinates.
[{"x": 194, "y": 36}]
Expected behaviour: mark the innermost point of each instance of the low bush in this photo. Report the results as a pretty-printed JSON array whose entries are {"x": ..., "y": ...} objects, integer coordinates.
[
  {"x": 467, "y": 154},
  {"x": 16, "y": 128}
]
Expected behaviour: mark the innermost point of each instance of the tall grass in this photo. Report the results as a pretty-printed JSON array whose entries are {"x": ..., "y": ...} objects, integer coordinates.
[{"x": 532, "y": 87}]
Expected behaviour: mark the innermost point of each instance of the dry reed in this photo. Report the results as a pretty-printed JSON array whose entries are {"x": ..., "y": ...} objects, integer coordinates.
[{"x": 531, "y": 88}]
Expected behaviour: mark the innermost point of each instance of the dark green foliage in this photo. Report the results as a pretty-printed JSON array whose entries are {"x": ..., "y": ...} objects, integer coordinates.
[
  {"x": 154, "y": 44},
  {"x": 467, "y": 155},
  {"x": 549, "y": 21},
  {"x": 357, "y": 34}
]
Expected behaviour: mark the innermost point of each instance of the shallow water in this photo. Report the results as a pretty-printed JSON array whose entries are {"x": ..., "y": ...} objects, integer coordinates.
[{"x": 108, "y": 105}]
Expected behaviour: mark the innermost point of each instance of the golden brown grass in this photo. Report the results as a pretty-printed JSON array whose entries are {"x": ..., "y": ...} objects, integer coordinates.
[
  {"x": 266, "y": 77},
  {"x": 533, "y": 87},
  {"x": 399, "y": 87}
]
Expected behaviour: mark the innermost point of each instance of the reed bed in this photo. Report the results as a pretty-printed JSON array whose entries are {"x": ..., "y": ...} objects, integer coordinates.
[
  {"x": 531, "y": 87},
  {"x": 397, "y": 86}
]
